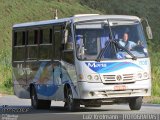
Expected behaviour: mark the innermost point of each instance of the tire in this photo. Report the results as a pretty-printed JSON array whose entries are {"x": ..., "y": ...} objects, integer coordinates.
[
  {"x": 135, "y": 103},
  {"x": 38, "y": 104},
  {"x": 71, "y": 104}
]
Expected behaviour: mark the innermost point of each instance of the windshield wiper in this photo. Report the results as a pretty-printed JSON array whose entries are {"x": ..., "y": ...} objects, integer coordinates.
[
  {"x": 117, "y": 45},
  {"x": 102, "y": 52},
  {"x": 125, "y": 49}
]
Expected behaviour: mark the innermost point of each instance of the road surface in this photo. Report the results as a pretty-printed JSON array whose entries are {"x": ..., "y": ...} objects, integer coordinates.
[{"x": 12, "y": 107}]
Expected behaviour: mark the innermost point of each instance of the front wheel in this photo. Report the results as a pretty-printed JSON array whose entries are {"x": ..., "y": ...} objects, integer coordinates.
[
  {"x": 71, "y": 104},
  {"x": 135, "y": 103}
]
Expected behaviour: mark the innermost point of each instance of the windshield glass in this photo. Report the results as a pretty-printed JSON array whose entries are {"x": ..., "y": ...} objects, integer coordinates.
[{"x": 91, "y": 38}]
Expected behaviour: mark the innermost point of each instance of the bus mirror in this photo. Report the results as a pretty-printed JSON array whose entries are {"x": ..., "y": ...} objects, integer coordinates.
[
  {"x": 70, "y": 46},
  {"x": 65, "y": 36},
  {"x": 149, "y": 32}
]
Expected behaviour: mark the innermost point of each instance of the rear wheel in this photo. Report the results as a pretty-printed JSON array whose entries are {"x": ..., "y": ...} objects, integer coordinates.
[
  {"x": 38, "y": 104},
  {"x": 71, "y": 104},
  {"x": 135, "y": 103}
]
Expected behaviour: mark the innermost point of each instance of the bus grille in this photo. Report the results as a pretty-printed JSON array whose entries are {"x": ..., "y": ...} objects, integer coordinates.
[{"x": 118, "y": 78}]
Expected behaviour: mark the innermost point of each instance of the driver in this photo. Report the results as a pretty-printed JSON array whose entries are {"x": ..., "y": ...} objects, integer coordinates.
[{"x": 126, "y": 43}]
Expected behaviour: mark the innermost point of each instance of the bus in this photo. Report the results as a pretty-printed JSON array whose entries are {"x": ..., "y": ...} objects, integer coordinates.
[{"x": 82, "y": 60}]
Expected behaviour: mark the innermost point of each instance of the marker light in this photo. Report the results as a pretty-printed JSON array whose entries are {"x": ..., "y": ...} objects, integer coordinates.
[{"x": 80, "y": 76}]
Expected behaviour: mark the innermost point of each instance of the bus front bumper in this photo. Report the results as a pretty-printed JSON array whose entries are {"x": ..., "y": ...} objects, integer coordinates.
[{"x": 99, "y": 90}]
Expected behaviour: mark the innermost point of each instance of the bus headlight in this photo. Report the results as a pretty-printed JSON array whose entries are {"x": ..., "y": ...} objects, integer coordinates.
[
  {"x": 93, "y": 78},
  {"x": 142, "y": 75},
  {"x": 89, "y": 77},
  {"x": 145, "y": 75},
  {"x": 96, "y": 77},
  {"x": 139, "y": 75}
]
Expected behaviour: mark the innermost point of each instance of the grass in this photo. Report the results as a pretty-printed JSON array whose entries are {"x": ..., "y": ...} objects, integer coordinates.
[
  {"x": 18, "y": 11},
  {"x": 5, "y": 90},
  {"x": 155, "y": 73},
  {"x": 5, "y": 72},
  {"x": 152, "y": 100},
  {"x": 155, "y": 100}
]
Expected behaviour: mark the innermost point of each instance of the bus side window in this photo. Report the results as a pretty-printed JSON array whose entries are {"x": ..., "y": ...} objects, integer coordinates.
[
  {"x": 19, "y": 38},
  {"x": 15, "y": 39},
  {"x": 68, "y": 55},
  {"x": 32, "y": 45},
  {"x": 31, "y": 37},
  {"x": 19, "y": 54},
  {"x": 57, "y": 41},
  {"x": 36, "y": 37},
  {"x": 45, "y": 36},
  {"x": 68, "y": 45},
  {"x": 45, "y": 49},
  {"x": 18, "y": 45}
]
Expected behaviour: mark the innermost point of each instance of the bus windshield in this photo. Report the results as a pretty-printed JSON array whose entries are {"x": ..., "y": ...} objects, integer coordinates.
[{"x": 92, "y": 37}]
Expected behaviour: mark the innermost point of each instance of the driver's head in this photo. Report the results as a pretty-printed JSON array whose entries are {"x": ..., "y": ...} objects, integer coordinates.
[{"x": 125, "y": 37}]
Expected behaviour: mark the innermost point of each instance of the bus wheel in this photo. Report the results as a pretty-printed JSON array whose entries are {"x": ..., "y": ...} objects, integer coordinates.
[
  {"x": 135, "y": 103},
  {"x": 39, "y": 104},
  {"x": 71, "y": 104}
]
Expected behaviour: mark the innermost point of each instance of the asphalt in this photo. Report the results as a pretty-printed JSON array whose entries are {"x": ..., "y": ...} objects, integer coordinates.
[{"x": 13, "y": 108}]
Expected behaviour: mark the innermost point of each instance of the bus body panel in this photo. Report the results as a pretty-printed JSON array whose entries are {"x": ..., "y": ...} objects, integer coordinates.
[
  {"x": 101, "y": 91},
  {"x": 19, "y": 77},
  {"x": 49, "y": 82},
  {"x": 128, "y": 86},
  {"x": 21, "y": 91}
]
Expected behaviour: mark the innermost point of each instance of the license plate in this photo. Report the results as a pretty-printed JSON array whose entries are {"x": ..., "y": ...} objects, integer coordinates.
[{"x": 120, "y": 87}]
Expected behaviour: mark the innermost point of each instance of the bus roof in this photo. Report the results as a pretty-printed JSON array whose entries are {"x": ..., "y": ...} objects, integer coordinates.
[{"x": 76, "y": 18}]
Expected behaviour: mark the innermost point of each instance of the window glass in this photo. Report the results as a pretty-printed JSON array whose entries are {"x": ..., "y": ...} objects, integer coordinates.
[
  {"x": 19, "y": 54},
  {"x": 68, "y": 56},
  {"x": 57, "y": 46},
  {"x": 15, "y": 39},
  {"x": 31, "y": 37},
  {"x": 57, "y": 28},
  {"x": 19, "y": 38},
  {"x": 36, "y": 37},
  {"x": 69, "y": 43},
  {"x": 46, "y": 36},
  {"x": 32, "y": 52},
  {"x": 45, "y": 52}
]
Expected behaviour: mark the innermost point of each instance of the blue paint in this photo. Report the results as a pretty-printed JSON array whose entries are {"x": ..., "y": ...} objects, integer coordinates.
[
  {"x": 39, "y": 72},
  {"x": 105, "y": 67},
  {"x": 44, "y": 89},
  {"x": 47, "y": 90}
]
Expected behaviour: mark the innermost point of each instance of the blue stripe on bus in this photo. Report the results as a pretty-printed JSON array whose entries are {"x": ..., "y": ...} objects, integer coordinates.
[{"x": 105, "y": 67}]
